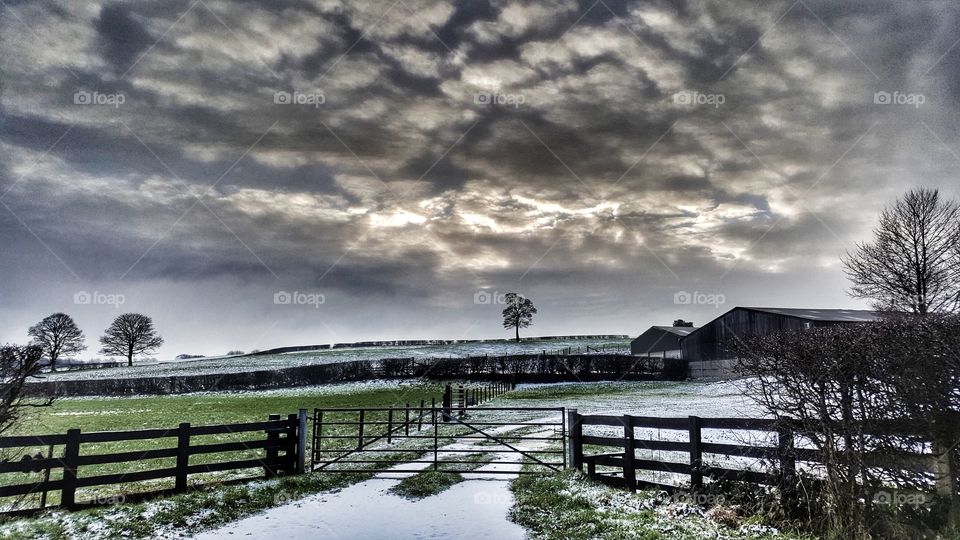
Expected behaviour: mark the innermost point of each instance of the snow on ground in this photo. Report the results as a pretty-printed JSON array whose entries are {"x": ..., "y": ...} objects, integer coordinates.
[
  {"x": 235, "y": 364},
  {"x": 652, "y": 398},
  {"x": 475, "y": 508}
]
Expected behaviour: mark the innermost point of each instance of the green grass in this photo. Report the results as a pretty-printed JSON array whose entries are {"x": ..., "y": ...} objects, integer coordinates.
[
  {"x": 425, "y": 484},
  {"x": 431, "y": 482},
  {"x": 203, "y": 506},
  {"x": 122, "y": 414},
  {"x": 568, "y": 506},
  {"x": 108, "y": 414}
]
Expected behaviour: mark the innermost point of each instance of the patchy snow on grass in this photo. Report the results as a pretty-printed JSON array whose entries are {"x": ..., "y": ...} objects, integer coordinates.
[
  {"x": 240, "y": 364},
  {"x": 615, "y": 513}
]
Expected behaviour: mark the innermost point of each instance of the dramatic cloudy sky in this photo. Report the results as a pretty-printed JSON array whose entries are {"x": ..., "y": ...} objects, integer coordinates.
[{"x": 598, "y": 156}]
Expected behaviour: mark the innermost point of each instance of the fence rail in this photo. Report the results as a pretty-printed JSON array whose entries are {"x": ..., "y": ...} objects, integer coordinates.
[
  {"x": 282, "y": 451},
  {"x": 784, "y": 446}
]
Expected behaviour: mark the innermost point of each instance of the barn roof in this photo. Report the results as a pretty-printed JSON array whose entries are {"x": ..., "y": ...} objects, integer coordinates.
[
  {"x": 831, "y": 315},
  {"x": 678, "y": 330},
  {"x": 659, "y": 338}
]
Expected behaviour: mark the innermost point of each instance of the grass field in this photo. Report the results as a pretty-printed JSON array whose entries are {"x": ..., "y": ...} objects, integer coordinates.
[
  {"x": 206, "y": 366},
  {"x": 132, "y": 413}
]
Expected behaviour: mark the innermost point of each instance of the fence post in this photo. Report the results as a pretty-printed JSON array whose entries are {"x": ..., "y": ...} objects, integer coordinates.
[
  {"x": 420, "y": 417},
  {"x": 183, "y": 456},
  {"x": 436, "y": 440},
  {"x": 788, "y": 464},
  {"x": 46, "y": 478},
  {"x": 575, "y": 430},
  {"x": 293, "y": 423},
  {"x": 696, "y": 455},
  {"x": 301, "y": 441},
  {"x": 71, "y": 455},
  {"x": 406, "y": 421},
  {"x": 945, "y": 440},
  {"x": 360, "y": 432},
  {"x": 629, "y": 456},
  {"x": 447, "y": 402},
  {"x": 390, "y": 426},
  {"x": 272, "y": 453}
]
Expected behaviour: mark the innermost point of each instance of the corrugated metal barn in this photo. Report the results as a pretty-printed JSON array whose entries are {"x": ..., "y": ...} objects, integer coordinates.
[
  {"x": 660, "y": 341},
  {"x": 707, "y": 348}
]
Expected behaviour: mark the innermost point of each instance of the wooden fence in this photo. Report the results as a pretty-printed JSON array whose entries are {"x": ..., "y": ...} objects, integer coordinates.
[
  {"x": 283, "y": 448},
  {"x": 727, "y": 460}
]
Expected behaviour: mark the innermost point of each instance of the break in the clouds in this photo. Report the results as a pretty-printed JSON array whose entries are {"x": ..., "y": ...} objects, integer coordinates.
[{"x": 395, "y": 157}]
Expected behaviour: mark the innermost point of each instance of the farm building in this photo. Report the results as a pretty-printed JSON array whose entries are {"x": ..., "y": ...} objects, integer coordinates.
[
  {"x": 706, "y": 347},
  {"x": 660, "y": 341}
]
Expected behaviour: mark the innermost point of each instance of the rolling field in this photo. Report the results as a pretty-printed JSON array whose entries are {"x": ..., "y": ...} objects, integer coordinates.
[{"x": 235, "y": 364}]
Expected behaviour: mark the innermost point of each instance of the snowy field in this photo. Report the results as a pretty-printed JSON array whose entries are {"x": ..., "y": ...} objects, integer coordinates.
[
  {"x": 189, "y": 514},
  {"x": 235, "y": 364}
]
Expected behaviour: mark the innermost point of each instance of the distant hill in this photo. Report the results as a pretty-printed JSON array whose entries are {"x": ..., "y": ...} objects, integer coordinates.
[{"x": 415, "y": 342}]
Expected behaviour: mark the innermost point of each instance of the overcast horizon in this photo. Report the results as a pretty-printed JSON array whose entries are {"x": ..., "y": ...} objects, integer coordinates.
[{"x": 265, "y": 173}]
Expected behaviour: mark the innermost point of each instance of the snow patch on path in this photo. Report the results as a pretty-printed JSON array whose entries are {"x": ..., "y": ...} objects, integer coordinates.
[{"x": 473, "y": 509}]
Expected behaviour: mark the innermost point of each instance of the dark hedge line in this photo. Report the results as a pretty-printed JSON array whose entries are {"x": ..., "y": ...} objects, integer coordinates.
[{"x": 519, "y": 368}]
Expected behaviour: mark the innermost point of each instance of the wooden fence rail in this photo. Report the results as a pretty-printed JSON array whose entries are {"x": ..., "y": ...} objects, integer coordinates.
[
  {"x": 621, "y": 465},
  {"x": 283, "y": 453}
]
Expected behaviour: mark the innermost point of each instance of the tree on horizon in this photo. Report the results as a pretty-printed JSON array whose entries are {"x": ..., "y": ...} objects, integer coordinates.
[
  {"x": 130, "y": 334},
  {"x": 57, "y": 336},
  {"x": 518, "y": 313}
]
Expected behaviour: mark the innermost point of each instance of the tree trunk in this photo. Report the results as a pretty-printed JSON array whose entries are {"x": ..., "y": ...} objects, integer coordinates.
[
  {"x": 517, "y": 328},
  {"x": 130, "y": 357}
]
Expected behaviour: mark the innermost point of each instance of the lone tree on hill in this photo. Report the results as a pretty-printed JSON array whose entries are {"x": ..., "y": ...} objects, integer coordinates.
[
  {"x": 682, "y": 323},
  {"x": 518, "y": 313},
  {"x": 57, "y": 336},
  {"x": 913, "y": 262},
  {"x": 130, "y": 334}
]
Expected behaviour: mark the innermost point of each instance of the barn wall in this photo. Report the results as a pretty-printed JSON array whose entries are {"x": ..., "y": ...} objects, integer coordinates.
[
  {"x": 710, "y": 343},
  {"x": 654, "y": 341}
]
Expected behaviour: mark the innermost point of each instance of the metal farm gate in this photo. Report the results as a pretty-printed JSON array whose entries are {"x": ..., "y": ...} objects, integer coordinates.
[{"x": 494, "y": 440}]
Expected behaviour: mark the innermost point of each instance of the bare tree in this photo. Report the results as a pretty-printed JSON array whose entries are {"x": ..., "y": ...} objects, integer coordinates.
[
  {"x": 866, "y": 397},
  {"x": 518, "y": 313},
  {"x": 58, "y": 336},
  {"x": 913, "y": 262},
  {"x": 130, "y": 334},
  {"x": 18, "y": 364}
]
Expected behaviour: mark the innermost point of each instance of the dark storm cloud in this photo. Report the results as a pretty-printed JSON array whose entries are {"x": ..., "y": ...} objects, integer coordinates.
[
  {"x": 399, "y": 181},
  {"x": 122, "y": 37}
]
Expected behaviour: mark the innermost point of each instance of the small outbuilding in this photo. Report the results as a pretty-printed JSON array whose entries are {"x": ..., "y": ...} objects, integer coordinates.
[{"x": 660, "y": 341}]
